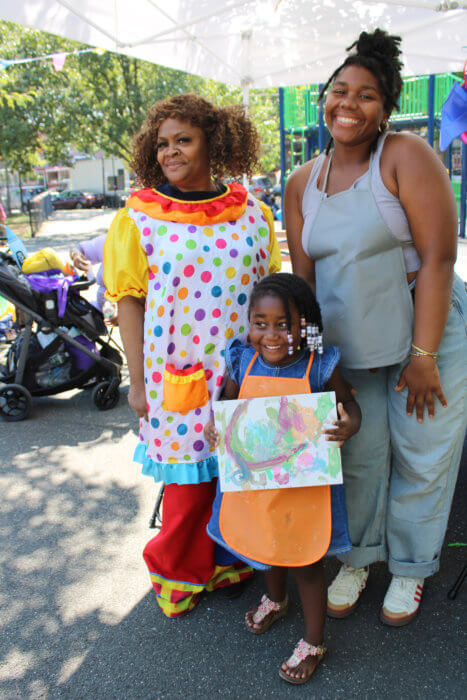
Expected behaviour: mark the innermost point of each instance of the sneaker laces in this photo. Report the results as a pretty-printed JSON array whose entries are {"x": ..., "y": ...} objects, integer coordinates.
[
  {"x": 402, "y": 590},
  {"x": 349, "y": 580}
]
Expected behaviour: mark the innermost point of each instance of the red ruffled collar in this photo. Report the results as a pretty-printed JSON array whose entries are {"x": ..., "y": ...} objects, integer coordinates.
[{"x": 235, "y": 196}]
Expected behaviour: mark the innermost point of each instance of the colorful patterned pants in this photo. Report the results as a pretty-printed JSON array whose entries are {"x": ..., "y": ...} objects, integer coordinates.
[{"x": 181, "y": 558}]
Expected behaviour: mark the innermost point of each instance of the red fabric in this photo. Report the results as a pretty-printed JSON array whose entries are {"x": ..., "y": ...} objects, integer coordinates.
[
  {"x": 182, "y": 550},
  {"x": 236, "y": 195},
  {"x": 184, "y": 372}
]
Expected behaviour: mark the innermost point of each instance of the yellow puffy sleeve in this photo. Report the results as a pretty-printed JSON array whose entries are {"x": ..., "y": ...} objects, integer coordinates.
[
  {"x": 275, "y": 260},
  {"x": 125, "y": 262}
]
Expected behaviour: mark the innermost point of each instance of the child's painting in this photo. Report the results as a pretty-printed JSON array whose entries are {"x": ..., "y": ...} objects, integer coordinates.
[{"x": 277, "y": 442}]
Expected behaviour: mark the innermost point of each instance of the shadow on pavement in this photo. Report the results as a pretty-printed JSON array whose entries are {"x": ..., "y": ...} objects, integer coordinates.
[
  {"x": 64, "y": 526},
  {"x": 61, "y": 532},
  {"x": 210, "y": 654},
  {"x": 72, "y": 543}
]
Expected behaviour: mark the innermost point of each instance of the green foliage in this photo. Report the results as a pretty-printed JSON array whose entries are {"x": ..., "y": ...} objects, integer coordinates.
[
  {"x": 264, "y": 111},
  {"x": 97, "y": 101}
]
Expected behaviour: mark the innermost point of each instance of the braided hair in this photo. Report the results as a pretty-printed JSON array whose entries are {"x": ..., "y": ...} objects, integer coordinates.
[
  {"x": 379, "y": 53},
  {"x": 289, "y": 289}
]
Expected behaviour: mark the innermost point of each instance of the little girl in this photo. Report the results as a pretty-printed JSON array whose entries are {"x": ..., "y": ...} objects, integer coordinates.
[{"x": 285, "y": 325}]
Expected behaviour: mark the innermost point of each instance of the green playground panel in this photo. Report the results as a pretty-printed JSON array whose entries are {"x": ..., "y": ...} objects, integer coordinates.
[
  {"x": 301, "y": 103},
  {"x": 456, "y": 186}
]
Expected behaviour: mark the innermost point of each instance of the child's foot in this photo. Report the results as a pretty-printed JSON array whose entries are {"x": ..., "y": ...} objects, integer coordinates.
[
  {"x": 262, "y": 617},
  {"x": 302, "y": 664}
]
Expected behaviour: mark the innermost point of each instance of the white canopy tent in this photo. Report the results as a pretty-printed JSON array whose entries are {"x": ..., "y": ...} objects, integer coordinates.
[{"x": 253, "y": 43}]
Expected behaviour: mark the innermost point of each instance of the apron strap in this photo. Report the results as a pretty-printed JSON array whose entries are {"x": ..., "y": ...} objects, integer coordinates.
[
  {"x": 370, "y": 170},
  {"x": 308, "y": 369},
  {"x": 248, "y": 369},
  {"x": 326, "y": 175}
]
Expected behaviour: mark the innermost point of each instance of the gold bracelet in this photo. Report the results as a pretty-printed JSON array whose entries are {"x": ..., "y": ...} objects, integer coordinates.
[{"x": 419, "y": 352}]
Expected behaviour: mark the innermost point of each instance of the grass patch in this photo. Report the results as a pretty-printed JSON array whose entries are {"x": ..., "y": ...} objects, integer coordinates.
[{"x": 19, "y": 224}]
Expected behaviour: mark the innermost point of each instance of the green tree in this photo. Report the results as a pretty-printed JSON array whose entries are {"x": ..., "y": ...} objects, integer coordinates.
[
  {"x": 97, "y": 102},
  {"x": 263, "y": 110}
]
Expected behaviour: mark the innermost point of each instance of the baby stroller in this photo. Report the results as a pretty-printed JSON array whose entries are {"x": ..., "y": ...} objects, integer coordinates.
[{"x": 59, "y": 348}]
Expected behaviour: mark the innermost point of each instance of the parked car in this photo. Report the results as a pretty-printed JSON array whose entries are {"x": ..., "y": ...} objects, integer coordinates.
[
  {"x": 263, "y": 189},
  {"x": 260, "y": 184},
  {"x": 29, "y": 192},
  {"x": 75, "y": 199}
]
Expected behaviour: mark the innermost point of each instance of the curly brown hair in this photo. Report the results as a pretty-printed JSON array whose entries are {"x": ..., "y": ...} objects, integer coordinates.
[{"x": 232, "y": 139}]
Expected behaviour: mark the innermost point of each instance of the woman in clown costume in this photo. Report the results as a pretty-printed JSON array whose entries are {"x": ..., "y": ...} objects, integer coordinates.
[{"x": 181, "y": 259}]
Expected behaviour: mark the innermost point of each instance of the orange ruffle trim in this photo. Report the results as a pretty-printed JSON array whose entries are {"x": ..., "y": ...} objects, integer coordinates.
[{"x": 225, "y": 207}]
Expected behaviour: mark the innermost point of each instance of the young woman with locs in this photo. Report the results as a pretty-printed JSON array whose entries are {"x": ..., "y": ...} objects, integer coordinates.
[
  {"x": 372, "y": 225},
  {"x": 181, "y": 260}
]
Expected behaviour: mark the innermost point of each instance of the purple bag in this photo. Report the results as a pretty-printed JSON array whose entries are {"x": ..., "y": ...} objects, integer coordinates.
[
  {"x": 51, "y": 280},
  {"x": 80, "y": 359}
]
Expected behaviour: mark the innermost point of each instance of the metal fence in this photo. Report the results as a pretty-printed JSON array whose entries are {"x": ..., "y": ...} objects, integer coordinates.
[{"x": 39, "y": 209}]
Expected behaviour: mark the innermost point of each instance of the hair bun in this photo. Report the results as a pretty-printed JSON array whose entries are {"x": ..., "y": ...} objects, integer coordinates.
[{"x": 378, "y": 44}]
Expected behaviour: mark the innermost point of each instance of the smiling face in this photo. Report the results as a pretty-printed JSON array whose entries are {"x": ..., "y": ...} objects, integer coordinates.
[
  {"x": 354, "y": 108},
  {"x": 268, "y": 329},
  {"x": 182, "y": 154}
]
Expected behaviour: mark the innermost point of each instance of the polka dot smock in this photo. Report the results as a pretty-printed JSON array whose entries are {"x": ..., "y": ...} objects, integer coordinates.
[{"x": 199, "y": 279}]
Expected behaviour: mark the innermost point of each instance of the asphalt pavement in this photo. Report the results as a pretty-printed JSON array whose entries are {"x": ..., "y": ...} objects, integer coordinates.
[{"x": 78, "y": 614}]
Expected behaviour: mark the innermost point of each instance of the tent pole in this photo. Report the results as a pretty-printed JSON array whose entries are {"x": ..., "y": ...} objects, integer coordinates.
[
  {"x": 246, "y": 98},
  {"x": 245, "y": 59},
  {"x": 282, "y": 149},
  {"x": 246, "y": 105}
]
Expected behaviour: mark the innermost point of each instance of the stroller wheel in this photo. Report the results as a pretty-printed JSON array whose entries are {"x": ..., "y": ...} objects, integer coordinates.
[
  {"x": 105, "y": 396},
  {"x": 15, "y": 402}
]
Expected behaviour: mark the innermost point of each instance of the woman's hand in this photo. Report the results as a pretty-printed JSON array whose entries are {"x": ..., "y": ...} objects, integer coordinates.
[
  {"x": 347, "y": 424},
  {"x": 421, "y": 377},
  {"x": 211, "y": 434},
  {"x": 79, "y": 260},
  {"x": 137, "y": 401}
]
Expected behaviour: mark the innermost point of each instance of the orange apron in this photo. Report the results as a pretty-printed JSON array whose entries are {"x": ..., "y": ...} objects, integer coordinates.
[{"x": 281, "y": 527}]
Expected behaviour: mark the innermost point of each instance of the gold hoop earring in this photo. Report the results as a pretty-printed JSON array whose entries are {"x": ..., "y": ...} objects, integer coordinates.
[{"x": 382, "y": 127}]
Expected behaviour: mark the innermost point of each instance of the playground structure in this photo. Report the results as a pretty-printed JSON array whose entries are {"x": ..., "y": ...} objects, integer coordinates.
[{"x": 303, "y": 131}]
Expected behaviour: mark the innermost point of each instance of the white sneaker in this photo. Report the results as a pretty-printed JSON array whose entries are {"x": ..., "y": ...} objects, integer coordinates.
[
  {"x": 345, "y": 591},
  {"x": 402, "y": 601}
]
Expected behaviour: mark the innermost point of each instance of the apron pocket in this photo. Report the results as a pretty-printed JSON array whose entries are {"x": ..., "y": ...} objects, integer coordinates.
[{"x": 185, "y": 389}]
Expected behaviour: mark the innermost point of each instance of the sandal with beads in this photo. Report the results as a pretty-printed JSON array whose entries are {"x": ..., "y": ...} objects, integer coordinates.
[
  {"x": 265, "y": 614},
  {"x": 302, "y": 651}
]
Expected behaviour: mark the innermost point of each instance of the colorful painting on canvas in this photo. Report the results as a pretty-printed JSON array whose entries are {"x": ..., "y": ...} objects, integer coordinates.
[{"x": 277, "y": 442}]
